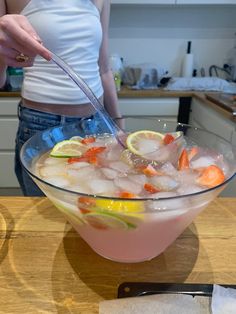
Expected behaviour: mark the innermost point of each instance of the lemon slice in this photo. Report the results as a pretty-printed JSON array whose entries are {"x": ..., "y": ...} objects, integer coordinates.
[
  {"x": 123, "y": 207},
  {"x": 67, "y": 148},
  {"x": 76, "y": 138},
  {"x": 150, "y": 139}
]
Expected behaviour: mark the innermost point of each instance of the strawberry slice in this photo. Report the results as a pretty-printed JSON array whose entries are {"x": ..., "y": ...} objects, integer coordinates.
[
  {"x": 84, "y": 210},
  {"x": 150, "y": 171},
  {"x": 86, "y": 200},
  {"x": 126, "y": 194},
  {"x": 72, "y": 160},
  {"x": 93, "y": 151},
  {"x": 93, "y": 160},
  {"x": 151, "y": 188},
  {"x": 88, "y": 140},
  {"x": 183, "y": 160},
  {"x": 168, "y": 138},
  {"x": 211, "y": 176}
]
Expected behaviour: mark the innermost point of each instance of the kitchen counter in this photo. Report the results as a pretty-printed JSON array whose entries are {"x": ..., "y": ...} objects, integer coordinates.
[
  {"x": 126, "y": 92},
  {"x": 47, "y": 268},
  {"x": 157, "y": 93}
]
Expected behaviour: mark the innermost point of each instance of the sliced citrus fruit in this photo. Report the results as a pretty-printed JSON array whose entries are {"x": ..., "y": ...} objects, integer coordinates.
[
  {"x": 76, "y": 138},
  {"x": 120, "y": 206},
  {"x": 70, "y": 211},
  {"x": 144, "y": 142},
  {"x": 104, "y": 221},
  {"x": 67, "y": 148}
]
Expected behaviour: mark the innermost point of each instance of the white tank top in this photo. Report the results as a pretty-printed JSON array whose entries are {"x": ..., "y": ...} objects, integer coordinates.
[{"x": 72, "y": 30}]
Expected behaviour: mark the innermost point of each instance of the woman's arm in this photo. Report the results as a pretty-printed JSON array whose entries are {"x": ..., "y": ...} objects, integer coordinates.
[
  {"x": 110, "y": 94},
  {"x": 17, "y": 36},
  {"x": 3, "y": 66}
]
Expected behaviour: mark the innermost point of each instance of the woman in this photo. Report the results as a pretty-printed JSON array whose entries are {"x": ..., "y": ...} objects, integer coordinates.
[{"x": 77, "y": 31}]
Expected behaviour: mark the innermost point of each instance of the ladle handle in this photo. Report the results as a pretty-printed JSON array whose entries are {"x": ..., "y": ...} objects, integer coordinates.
[{"x": 114, "y": 129}]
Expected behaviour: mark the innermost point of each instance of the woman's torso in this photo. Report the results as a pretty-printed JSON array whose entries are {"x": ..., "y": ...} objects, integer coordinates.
[{"x": 72, "y": 30}]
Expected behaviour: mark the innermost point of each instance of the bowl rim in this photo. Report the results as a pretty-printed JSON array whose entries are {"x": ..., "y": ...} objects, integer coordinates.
[{"x": 133, "y": 199}]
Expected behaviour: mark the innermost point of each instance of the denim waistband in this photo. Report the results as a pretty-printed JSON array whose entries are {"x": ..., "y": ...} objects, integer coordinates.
[
  {"x": 39, "y": 121},
  {"x": 55, "y": 118}
]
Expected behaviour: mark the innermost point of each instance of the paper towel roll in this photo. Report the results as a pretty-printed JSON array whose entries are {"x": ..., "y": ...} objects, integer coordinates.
[{"x": 187, "y": 66}]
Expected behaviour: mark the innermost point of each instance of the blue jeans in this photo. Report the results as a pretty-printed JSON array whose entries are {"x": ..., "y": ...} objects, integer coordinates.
[{"x": 32, "y": 121}]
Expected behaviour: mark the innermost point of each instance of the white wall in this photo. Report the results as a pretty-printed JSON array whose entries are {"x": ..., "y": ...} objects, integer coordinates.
[{"x": 159, "y": 34}]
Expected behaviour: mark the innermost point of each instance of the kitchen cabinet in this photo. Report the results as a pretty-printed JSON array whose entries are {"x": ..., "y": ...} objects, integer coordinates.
[
  {"x": 205, "y": 1},
  {"x": 161, "y": 108},
  {"x": 143, "y": 1},
  {"x": 205, "y": 117},
  {"x": 8, "y": 127}
]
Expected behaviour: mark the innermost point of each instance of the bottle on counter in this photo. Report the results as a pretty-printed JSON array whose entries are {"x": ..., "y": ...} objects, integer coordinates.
[
  {"x": 117, "y": 69},
  {"x": 14, "y": 78}
]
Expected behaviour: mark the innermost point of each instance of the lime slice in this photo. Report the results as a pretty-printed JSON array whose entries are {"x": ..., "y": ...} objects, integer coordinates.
[
  {"x": 70, "y": 211},
  {"x": 135, "y": 141},
  {"x": 67, "y": 148},
  {"x": 104, "y": 221}
]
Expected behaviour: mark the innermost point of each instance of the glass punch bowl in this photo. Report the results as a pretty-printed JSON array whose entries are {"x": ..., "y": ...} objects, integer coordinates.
[{"x": 149, "y": 225}]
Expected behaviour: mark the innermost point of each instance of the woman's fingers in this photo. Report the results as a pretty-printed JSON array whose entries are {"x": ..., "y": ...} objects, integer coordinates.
[
  {"x": 9, "y": 56},
  {"x": 17, "y": 33}
]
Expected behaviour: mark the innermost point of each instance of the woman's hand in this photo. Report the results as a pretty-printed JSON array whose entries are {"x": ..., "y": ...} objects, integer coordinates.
[{"x": 19, "y": 43}]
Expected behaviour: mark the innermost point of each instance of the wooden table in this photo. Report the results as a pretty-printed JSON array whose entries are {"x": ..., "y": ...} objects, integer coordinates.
[{"x": 47, "y": 268}]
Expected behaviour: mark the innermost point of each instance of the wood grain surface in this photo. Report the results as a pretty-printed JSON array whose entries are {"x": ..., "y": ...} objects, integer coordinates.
[{"x": 47, "y": 268}]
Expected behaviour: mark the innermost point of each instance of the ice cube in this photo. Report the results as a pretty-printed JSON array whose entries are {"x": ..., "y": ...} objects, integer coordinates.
[
  {"x": 106, "y": 140},
  {"x": 203, "y": 161},
  {"x": 138, "y": 178},
  {"x": 125, "y": 184},
  {"x": 120, "y": 166},
  {"x": 188, "y": 188},
  {"x": 51, "y": 170},
  {"x": 112, "y": 153},
  {"x": 169, "y": 169},
  {"x": 186, "y": 176},
  {"x": 109, "y": 173},
  {"x": 164, "y": 183},
  {"x": 101, "y": 187},
  {"x": 77, "y": 165},
  {"x": 80, "y": 188},
  {"x": 83, "y": 174},
  {"x": 54, "y": 161},
  {"x": 222, "y": 164},
  {"x": 60, "y": 181},
  {"x": 146, "y": 146}
]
